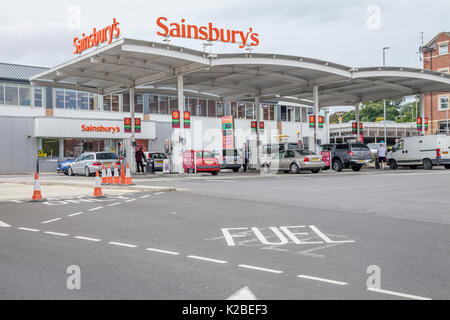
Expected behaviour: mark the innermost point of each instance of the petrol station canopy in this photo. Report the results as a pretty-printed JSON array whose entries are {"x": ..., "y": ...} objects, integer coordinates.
[{"x": 154, "y": 67}]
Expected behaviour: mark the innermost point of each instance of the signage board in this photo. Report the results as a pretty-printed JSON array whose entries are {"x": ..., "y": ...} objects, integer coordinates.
[
  {"x": 187, "y": 119},
  {"x": 227, "y": 132},
  {"x": 175, "y": 119}
]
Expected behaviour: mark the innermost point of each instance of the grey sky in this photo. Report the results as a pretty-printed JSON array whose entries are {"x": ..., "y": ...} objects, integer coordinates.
[{"x": 35, "y": 32}]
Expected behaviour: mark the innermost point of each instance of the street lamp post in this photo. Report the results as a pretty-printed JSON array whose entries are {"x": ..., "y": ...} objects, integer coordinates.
[{"x": 384, "y": 100}]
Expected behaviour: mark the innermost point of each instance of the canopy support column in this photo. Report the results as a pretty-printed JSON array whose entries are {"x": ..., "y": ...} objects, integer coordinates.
[
  {"x": 358, "y": 136},
  {"x": 131, "y": 148},
  {"x": 257, "y": 106},
  {"x": 422, "y": 112},
  {"x": 316, "y": 114},
  {"x": 182, "y": 135}
]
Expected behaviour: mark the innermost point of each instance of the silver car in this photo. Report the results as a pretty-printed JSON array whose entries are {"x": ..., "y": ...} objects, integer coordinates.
[
  {"x": 158, "y": 158},
  {"x": 294, "y": 161},
  {"x": 89, "y": 162}
]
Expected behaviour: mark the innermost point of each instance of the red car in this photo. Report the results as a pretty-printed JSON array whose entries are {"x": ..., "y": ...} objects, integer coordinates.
[{"x": 205, "y": 161}]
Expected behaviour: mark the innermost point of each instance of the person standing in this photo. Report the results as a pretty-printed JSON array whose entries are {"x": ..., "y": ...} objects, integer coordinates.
[
  {"x": 245, "y": 157},
  {"x": 382, "y": 156},
  {"x": 140, "y": 156}
]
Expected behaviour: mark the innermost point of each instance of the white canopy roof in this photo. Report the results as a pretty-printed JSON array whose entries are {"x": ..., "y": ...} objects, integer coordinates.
[{"x": 154, "y": 67}]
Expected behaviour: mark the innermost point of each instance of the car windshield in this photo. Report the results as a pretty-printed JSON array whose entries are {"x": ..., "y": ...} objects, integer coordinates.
[
  {"x": 158, "y": 156},
  {"x": 305, "y": 152},
  {"x": 106, "y": 156},
  {"x": 204, "y": 154}
]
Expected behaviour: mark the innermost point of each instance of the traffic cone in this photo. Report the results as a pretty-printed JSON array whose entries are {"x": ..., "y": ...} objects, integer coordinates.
[
  {"x": 104, "y": 177},
  {"x": 116, "y": 175},
  {"x": 97, "y": 186},
  {"x": 37, "y": 196},
  {"x": 122, "y": 174},
  {"x": 109, "y": 179},
  {"x": 128, "y": 176}
]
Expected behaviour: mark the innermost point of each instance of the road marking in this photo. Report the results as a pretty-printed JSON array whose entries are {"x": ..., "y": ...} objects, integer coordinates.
[
  {"x": 87, "y": 238},
  {"x": 340, "y": 283},
  {"x": 48, "y": 221},
  {"x": 75, "y": 214},
  {"x": 159, "y": 193},
  {"x": 122, "y": 244},
  {"x": 259, "y": 268},
  {"x": 15, "y": 201},
  {"x": 404, "y": 295},
  {"x": 96, "y": 208},
  {"x": 207, "y": 259},
  {"x": 56, "y": 233},
  {"x": 242, "y": 294},
  {"x": 114, "y": 204},
  {"x": 28, "y": 229},
  {"x": 130, "y": 200},
  {"x": 162, "y": 251},
  {"x": 146, "y": 196},
  {"x": 4, "y": 225},
  {"x": 325, "y": 238}
]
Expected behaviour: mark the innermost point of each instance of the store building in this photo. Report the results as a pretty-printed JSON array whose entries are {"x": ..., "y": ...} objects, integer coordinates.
[{"x": 436, "y": 57}]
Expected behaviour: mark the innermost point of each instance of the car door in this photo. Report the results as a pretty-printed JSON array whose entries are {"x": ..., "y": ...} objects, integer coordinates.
[
  {"x": 287, "y": 159},
  {"x": 400, "y": 155},
  {"x": 76, "y": 164}
]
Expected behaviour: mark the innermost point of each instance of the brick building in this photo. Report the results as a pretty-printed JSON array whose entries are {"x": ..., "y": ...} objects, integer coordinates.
[{"x": 437, "y": 58}]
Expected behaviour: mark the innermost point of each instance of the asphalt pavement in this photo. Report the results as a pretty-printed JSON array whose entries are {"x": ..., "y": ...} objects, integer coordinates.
[{"x": 367, "y": 235}]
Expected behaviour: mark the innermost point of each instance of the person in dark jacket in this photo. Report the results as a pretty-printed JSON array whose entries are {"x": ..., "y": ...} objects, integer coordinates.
[{"x": 140, "y": 157}]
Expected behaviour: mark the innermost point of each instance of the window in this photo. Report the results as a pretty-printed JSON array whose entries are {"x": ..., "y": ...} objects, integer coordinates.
[
  {"x": 107, "y": 103},
  {"x": 24, "y": 95},
  {"x": 443, "y": 48},
  {"x": 241, "y": 110},
  {"x": 249, "y": 111},
  {"x": 51, "y": 147},
  {"x": 187, "y": 105},
  {"x": 163, "y": 105},
  {"x": 298, "y": 111},
  {"x": 106, "y": 156},
  {"x": 212, "y": 108},
  {"x": 126, "y": 102},
  {"x": 283, "y": 110},
  {"x": 83, "y": 100},
  {"x": 220, "y": 109},
  {"x": 443, "y": 70},
  {"x": 115, "y": 103},
  {"x": 2, "y": 93},
  {"x": 202, "y": 108},
  {"x": 234, "y": 111},
  {"x": 289, "y": 154},
  {"x": 59, "y": 98},
  {"x": 153, "y": 104},
  {"x": 173, "y": 104},
  {"x": 443, "y": 102},
  {"x": 342, "y": 147},
  {"x": 11, "y": 94},
  {"x": 70, "y": 99},
  {"x": 139, "y": 103}
]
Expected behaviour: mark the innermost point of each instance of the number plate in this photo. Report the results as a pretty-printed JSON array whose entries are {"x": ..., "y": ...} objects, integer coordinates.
[
  {"x": 315, "y": 159},
  {"x": 361, "y": 160}
]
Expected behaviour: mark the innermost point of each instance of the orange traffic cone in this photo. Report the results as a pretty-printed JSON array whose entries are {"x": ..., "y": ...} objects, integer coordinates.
[
  {"x": 97, "y": 186},
  {"x": 37, "y": 196},
  {"x": 116, "y": 175},
  {"x": 128, "y": 176},
  {"x": 109, "y": 179},
  {"x": 122, "y": 174},
  {"x": 104, "y": 177}
]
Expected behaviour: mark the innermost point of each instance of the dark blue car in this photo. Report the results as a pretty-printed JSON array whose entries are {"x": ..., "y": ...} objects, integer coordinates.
[{"x": 63, "y": 165}]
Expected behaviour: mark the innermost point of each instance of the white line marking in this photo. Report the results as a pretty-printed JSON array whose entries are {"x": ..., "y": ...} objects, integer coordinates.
[
  {"x": 340, "y": 283},
  {"x": 130, "y": 200},
  {"x": 96, "y": 208},
  {"x": 398, "y": 294},
  {"x": 4, "y": 225},
  {"x": 325, "y": 238},
  {"x": 16, "y": 201},
  {"x": 207, "y": 259},
  {"x": 56, "y": 233},
  {"x": 114, "y": 204},
  {"x": 146, "y": 196},
  {"x": 87, "y": 238},
  {"x": 122, "y": 244},
  {"x": 75, "y": 214},
  {"x": 159, "y": 193},
  {"x": 162, "y": 251},
  {"x": 260, "y": 269},
  {"x": 48, "y": 221},
  {"x": 28, "y": 229}
]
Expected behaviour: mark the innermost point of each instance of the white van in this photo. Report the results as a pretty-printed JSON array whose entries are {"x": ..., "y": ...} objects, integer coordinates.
[{"x": 426, "y": 151}]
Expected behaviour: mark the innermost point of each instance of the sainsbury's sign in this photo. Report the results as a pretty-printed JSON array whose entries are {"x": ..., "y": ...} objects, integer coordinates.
[
  {"x": 96, "y": 37},
  {"x": 91, "y": 128},
  {"x": 209, "y": 32}
]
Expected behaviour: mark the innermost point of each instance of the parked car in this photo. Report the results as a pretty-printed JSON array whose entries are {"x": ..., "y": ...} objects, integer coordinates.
[
  {"x": 374, "y": 148},
  {"x": 62, "y": 166},
  {"x": 89, "y": 162},
  {"x": 350, "y": 155},
  {"x": 158, "y": 158},
  {"x": 230, "y": 159},
  {"x": 426, "y": 151},
  {"x": 294, "y": 161},
  {"x": 202, "y": 161}
]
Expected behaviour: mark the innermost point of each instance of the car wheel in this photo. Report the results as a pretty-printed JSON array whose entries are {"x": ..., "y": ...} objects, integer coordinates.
[
  {"x": 337, "y": 165},
  {"x": 427, "y": 164},
  {"x": 265, "y": 168},
  {"x": 413, "y": 167},
  {"x": 87, "y": 173},
  {"x": 70, "y": 171},
  {"x": 65, "y": 172},
  {"x": 356, "y": 168},
  {"x": 315, "y": 171},
  {"x": 215, "y": 173},
  {"x": 447, "y": 166},
  {"x": 393, "y": 164},
  {"x": 294, "y": 168},
  {"x": 235, "y": 169}
]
